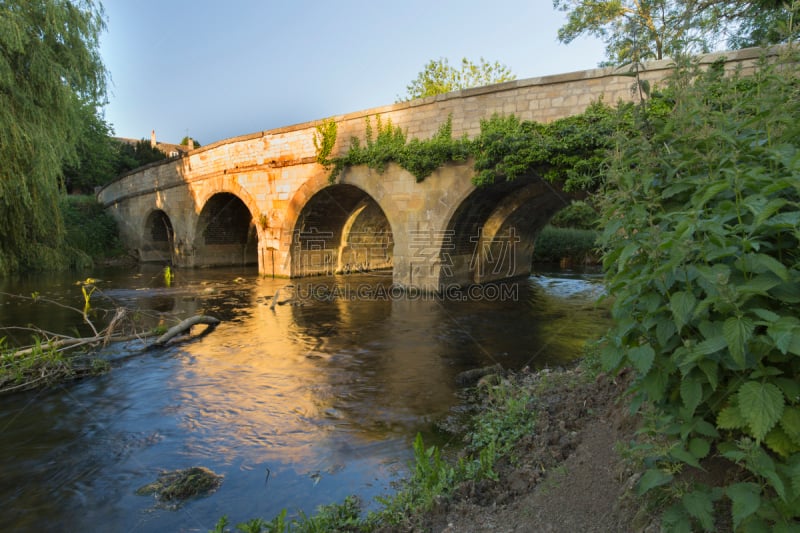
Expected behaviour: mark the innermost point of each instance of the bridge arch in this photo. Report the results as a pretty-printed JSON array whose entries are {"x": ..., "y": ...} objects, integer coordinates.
[
  {"x": 158, "y": 238},
  {"x": 340, "y": 229},
  {"x": 490, "y": 234},
  {"x": 226, "y": 232}
]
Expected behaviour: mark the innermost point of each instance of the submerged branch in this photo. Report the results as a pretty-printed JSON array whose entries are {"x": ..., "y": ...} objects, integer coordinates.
[
  {"x": 185, "y": 326},
  {"x": 46, "y": 362}
]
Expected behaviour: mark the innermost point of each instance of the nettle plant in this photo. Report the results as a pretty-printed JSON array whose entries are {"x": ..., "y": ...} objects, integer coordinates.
[{"x": 701, "y": 233}]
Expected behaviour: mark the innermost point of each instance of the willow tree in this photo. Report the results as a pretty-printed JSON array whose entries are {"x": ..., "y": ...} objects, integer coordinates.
[{"x": 49, "y": 67}]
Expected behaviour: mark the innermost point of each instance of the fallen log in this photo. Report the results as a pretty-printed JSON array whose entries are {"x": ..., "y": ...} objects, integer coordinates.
[{"x": 185, "y": 326}]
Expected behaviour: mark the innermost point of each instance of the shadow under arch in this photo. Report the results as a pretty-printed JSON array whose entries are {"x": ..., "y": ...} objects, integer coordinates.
[
  {"x": 226, "y": 234},
  {"x": 340, "y": 229},
  {"x": 491, "y": 234},
  {"x": 158, "y": 238}
]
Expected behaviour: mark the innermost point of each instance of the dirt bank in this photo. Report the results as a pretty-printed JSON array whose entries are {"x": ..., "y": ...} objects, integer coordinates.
[{"x": 568, "y": 475}]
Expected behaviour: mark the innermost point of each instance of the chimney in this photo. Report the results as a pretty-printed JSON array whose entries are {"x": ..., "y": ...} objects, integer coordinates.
[
  {"x": 190, "y": 143},
  {"x": 153, "y": 139}
]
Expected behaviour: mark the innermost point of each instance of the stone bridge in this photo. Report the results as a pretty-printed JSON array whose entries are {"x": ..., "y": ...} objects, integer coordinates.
[{"x": 263, "y": 198}]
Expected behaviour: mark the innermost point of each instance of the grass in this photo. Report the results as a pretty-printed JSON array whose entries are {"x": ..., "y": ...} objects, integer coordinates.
[{"x": 42, "y": 366}]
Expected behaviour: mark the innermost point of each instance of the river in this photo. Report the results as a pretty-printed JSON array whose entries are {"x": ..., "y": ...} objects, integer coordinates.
[{"x": 297, "y": 405}]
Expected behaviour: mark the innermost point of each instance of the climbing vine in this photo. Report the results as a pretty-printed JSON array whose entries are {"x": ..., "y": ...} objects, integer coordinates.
[
  {"x": 570, "y": 150},
  {"x": 324, "y": 140},
  {"x": 389, "y": 143}
]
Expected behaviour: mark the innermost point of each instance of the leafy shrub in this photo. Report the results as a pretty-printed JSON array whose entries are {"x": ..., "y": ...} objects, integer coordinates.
[
  {"x": 89, "y": 229},
  {"x": 578, "y": 214},
  {"x": 574, "y": 245},
  {"x": 701, "y": 236},
  {"x": 570, "y": 150}
]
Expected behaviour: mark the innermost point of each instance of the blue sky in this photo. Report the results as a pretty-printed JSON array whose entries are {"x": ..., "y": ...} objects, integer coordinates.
[{"x": 215, "y": 69}]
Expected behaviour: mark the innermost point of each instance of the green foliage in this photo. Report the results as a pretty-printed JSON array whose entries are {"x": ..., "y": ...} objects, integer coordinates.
[
  {"x": 440, "y": 77},
  {"x": 577, "y": 246},
  {"x": 701, "y": 253},
  {"x": 345, "y": 516},
  {"x": 324, "y": 140},
  {"x": 90, "y": 230},
  {"x": 635, "y": 30},
  {"x": 185, "y": 142},
  {"x": 96, "y": 153},
  {"x": 130, "y": 156},
  {"x": 507, "y": 418},
  {"x": 41, "y": 366},
  {"x": 423, "y": 157},
  {"x": 764, "y": 22},
  {"x": 431, "y": 476},
  {"x": 420, "y": 157},
  {"x": 102, "y": 158},
  {"x": 570, "y": 150},
  {"x": 578, "y": 215},
  {"x": 49, "y": 68},
  {"x": 378, "y": 152}
]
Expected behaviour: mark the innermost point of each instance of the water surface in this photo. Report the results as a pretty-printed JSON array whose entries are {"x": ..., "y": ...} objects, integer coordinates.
[{"x": 297, "y": 405}]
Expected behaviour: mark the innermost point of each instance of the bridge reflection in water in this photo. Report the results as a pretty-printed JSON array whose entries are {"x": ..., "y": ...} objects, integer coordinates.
[{"x": 325, "y": 391}]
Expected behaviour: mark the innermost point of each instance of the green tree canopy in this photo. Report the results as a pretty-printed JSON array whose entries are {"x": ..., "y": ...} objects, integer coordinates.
[
  {"x": 130, "y": 156},
  {"x": 637, "y": 30},
  {"x": 440, "y": 77},
  {"x": 50, "y": 67},
  {"x": 96, "y": 153},
  {"x": 185, "y": 142}
]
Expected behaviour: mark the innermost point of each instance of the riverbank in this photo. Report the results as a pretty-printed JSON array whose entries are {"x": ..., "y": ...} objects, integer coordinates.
[
  {"x": 544, "y": 452},
  {"x": 566, "y": 475}
]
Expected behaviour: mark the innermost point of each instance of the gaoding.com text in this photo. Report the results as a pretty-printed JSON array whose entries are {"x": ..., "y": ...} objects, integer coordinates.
[{"x": 500, "y": 292}]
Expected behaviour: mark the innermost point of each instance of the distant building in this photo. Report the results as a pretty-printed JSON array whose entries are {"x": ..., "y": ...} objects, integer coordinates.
[{"x": 168, "y": 149}]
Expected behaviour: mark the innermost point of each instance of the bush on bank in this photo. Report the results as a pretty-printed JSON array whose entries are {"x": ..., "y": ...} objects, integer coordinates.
[
  {"x": 91, "y": 233},
  {"x": 702, "y": 254},
  {"x": 567, "y": 246}
]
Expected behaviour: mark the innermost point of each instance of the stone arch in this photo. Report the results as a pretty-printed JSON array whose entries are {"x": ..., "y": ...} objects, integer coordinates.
[
  {"x": 226, "y": 233},
  {"x": 158, "y": 238},
  {"x": 491, "y": 234},
  {"x": 339, "y": 229}
]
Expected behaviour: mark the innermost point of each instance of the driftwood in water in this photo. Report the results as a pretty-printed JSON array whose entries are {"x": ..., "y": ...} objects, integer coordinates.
[
  {"x": 46, "y": 361},
  {"x": 185, "y": 326},
  {"x": 65, "y": 343}
]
